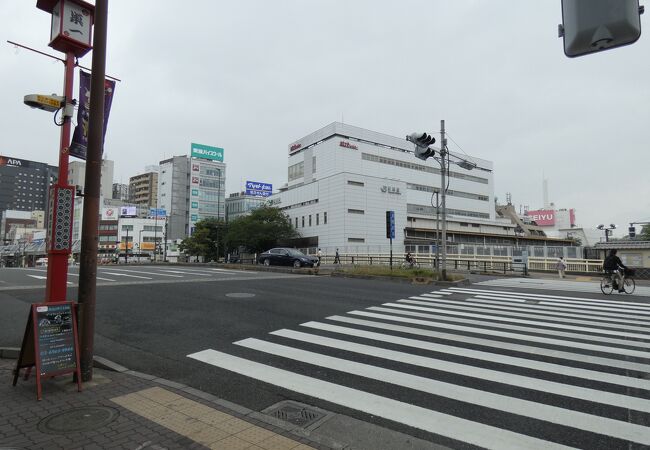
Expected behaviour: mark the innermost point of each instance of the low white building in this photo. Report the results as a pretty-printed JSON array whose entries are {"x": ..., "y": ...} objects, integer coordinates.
[{"x": 342, "y": 179}]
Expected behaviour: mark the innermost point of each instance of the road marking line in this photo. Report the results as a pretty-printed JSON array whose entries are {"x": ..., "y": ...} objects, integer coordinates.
[
  {"x": 520, "y": 337},
  {"x": 538, "y": 323},
  {"x": 541, "y": 305},
  {"x": 148, "y": 273},
  {"x": 127, "y": 275},
  {"x": 99, "y": 278},
  {"x": 543, "y": 315},
  {"x": 501, "y": 377},
  {"x": 586, "y": 303},
  {"x": 486, "y": 356},
  {"x": 512, "y": 405},
  {"x": 500, "y": 345},
  {"x": 463, "y": 430},
  {"x": 555, "y": 298},
  {"x": 188, "y": 273},
  {"x": 39, "y": 277}
]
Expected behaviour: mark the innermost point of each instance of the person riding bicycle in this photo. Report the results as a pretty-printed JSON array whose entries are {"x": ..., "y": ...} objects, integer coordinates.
[
  {"x": 409, "y": 259},
  {"x": 616, "y": 268}
]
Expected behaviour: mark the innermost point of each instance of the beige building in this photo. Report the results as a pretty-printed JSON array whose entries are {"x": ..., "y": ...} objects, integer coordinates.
[
  {"x": 633, "y": 253},
  {"x": 77, "y": 176},
  {"x": 143, "y": 189}
]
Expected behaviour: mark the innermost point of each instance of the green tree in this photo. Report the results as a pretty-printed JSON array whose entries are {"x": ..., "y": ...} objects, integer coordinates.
[
  {"x": 264, "y": 228},
  {"x": 645, "y": 233},
  {"x": 207, "y": 240}
]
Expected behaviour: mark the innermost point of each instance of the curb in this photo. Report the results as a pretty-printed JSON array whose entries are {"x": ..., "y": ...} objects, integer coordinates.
[{"x": 414, "y": 280}]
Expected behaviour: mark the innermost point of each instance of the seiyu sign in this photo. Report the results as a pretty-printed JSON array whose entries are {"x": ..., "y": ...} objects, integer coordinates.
[
  {"x": 206, "y": 152},
  {"x": 256, "y": 189},
  {"x": 542, "y": 217}
]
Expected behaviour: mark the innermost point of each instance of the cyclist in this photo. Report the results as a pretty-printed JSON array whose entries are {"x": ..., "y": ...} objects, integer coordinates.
[
  {"x": 409, "y": 259},
  {"x": 616, "y": 268}
]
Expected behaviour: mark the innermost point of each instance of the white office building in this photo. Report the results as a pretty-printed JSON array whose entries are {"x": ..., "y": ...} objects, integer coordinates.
[
  {"x": 342, "y": 179},
  {"x": 192, "y": 188}
]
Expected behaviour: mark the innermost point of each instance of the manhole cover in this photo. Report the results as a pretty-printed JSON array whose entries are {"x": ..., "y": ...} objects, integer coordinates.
[
  {"x": 296, "y": 415},
  {"x": 78, "y": 419},
  {"x": 240, "y": 295}
]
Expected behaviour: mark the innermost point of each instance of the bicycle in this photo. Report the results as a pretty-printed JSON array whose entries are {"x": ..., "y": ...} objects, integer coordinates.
[
  {"x": 410, "y": 265},
  {"x": 607, "y": 282}
]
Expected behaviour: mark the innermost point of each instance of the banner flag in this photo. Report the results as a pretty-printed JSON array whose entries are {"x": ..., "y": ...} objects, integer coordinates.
[{"x": 79, "y": 145}]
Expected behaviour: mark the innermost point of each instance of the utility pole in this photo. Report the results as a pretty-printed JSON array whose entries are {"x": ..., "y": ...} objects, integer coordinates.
[
  {"x": 438, "y": 236},
  {"x": 443, "y": 187},
  {"x": 90, "y": 225}
]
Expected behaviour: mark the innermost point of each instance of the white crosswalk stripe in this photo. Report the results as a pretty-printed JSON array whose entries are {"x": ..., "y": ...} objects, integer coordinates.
[
  {"x": 495, "y": 369},
  {"x": 559, "y": 285}
]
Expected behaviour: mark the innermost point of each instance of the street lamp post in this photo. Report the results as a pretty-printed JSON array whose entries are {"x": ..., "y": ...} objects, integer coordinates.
[{"x": 607, "y": 230}]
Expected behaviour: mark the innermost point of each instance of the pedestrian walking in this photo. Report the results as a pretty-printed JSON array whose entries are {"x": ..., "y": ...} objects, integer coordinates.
[
  {"x": 560, "y": 266},
  {"x": 337, "y": 258},
  {"x": 320, "y": 255}
]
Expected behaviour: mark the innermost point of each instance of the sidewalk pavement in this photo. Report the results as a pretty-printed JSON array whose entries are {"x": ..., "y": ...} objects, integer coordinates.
[{"x": 128, "y": 410}]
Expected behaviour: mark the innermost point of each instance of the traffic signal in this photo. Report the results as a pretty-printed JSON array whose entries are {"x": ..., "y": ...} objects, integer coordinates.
[
  {"x": 632, "y": 231},
  {"x": 422, "y": 142}
]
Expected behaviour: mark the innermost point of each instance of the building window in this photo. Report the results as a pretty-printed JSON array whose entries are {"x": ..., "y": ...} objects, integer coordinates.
[
  {"x": 356, "y": 211},
  {"x": 296, "y": 222},
  {"x": 313, "y": 164},
  {"x": 303, "y": 221},
  {"x": 325, "y": 218},
  {"x": 317, "y": 219},
  {"x": 355, "y": 183},
  {"x": 357, "y": 240},
  {"x": 296, "y": 171},
  {"x": 310, "y": 220},
  {"x": 127, "y": 227}
]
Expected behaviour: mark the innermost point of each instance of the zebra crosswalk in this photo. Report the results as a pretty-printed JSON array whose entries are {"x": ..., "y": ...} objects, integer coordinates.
[
  {"x": 472, "y": 367},
  {"x": 592, "y": 287}
]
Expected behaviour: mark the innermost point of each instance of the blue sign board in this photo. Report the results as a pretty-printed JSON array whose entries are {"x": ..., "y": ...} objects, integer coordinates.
[
  {"x": 256, "y": 189},
  {"x": 157, "y": 213},
  {"x": 390, "y": 224}
]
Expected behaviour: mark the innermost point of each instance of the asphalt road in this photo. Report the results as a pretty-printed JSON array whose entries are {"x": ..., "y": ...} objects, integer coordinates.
[{"x": 499, "y": 364}]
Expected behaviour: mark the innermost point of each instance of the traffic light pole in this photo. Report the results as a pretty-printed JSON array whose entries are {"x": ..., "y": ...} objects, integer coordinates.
[{"x": 443, "y": 188}]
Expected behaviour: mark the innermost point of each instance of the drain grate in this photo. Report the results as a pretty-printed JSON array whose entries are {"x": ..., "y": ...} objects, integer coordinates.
[
  {"x": 296, "y": 414},
  {"x": 78, "y": 419}
]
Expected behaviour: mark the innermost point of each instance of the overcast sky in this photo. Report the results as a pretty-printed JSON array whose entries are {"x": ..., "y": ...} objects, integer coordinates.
[{"x": 253, "y": 76}]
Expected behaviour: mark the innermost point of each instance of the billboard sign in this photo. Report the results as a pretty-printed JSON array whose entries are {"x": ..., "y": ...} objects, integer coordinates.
[
  {"x": 109, "y": 213},
  {"x": 12, "y": 162},
  {"x": 542, "y": 217},
  {"x": 128, "y": 211},
  {"x": 157, "y": 213},
  {"x": 256, "y": 189},
  {"x": 390, "y": 224},
  {"x": 206, "y": 152}
]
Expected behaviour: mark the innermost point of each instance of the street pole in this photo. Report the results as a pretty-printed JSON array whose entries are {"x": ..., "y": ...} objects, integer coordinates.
[
  {"x": 443, "y": 187},
  {"x": 90, "y": 226},
  {"x": 165, "y": 254},
  {"x": 126, "y": 246},
  {"x": 57, "y": 263},
  {"x": 438, "y": 236},
  {"x": 155, "y": 234}
]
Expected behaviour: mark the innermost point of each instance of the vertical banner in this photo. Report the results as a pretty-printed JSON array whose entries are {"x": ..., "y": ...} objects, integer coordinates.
[{"x": 79, "y": 145}]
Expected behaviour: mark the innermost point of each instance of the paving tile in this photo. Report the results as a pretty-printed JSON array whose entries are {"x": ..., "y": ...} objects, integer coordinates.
[
  {"x": 231, "y": 443},
  {"x": 233, "y": 426},
  {"x": 255, "y": 434}
]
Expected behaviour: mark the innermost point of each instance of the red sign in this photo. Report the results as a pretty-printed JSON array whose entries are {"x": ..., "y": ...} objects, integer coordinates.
[
  {"x": 542, "y": 217},
  {"x": 346, "y": 144},
  {"x": 294, "y": 147}
]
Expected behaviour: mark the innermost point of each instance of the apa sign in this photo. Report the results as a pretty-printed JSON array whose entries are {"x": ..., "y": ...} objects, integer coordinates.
[
  {"x": 256, "y": 189},
  {"x": 543, "y": 217}
]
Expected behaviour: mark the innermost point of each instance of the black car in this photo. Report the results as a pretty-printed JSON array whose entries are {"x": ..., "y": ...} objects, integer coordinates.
[{"x": 287, "y": 257}]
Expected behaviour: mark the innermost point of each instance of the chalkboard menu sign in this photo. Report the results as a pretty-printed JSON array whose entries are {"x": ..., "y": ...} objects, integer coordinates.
[{"x": 50, "y": 343}]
